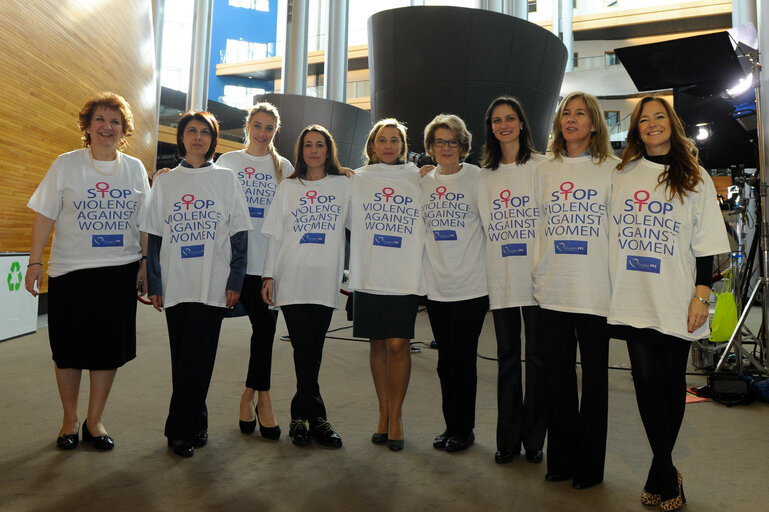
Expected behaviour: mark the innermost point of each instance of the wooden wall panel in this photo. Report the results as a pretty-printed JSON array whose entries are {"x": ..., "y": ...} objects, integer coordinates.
[{"x": 55, "y": 55}]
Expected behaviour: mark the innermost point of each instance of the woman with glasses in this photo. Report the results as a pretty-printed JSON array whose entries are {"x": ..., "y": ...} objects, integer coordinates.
[
  {"x": 666, "y": 228},
  {"x": 571, "y": 285},
  {"x": 455, "y": 272},
  {"x": 506, "y": 202}
]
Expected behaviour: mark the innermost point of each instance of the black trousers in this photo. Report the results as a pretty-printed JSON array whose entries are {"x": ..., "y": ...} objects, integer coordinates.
[
  {"x": 456, "y": 327},
  {"x": 307, "y": 325},
  {"x": 520, "y": 419},
  {"x": 576, "y": 429},
  {"x": 263, "y": 321},
  {"x": 193, "y": 333},
  {"x": 659, "y": 377}
]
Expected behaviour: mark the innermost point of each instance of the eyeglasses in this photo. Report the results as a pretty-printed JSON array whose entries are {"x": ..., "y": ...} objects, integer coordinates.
[{"x": 439, "y": 143}]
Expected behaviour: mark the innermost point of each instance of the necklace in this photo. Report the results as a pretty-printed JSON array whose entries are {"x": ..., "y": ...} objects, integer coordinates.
[{"x": 115, "y": 167}]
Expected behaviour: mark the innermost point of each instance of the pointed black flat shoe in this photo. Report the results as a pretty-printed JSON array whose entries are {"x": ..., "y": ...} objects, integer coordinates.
[{"x": 104, "y": 442}]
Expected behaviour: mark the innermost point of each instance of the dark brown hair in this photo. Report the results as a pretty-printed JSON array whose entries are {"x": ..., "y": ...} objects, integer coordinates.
[
  {"x": 330, "y": 166},
  {"x": 204, "y": 117},
  {"x": 491, "y": 155}
]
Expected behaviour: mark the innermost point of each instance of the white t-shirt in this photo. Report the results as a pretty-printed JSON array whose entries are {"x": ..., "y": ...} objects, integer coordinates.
[
  {"x": 257, "y": 177},
  {"x": 96, "y": 216},
  {"x": 387, "y": 231},
  {"x": 454, "y": 260},
  {"x": 509, "y": 215},
  {"x": 196, "y": 211},
  {"x": 305, "y": 227},
  {"x": 653, "y": 245},
  {"x": 570, "y": 269}
]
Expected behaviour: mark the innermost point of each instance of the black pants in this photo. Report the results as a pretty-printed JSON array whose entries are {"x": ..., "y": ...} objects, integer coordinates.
[
  {"x": 520, "y": 419},
  {"x": 456, "y": 327},
  {"x": 576, "y": 429},
  {"x": 263, "y": 321},
  {"x": 193, "y": 333},
  {"x": 659, "y": 377},
  {"x": 307, "y": 325}
]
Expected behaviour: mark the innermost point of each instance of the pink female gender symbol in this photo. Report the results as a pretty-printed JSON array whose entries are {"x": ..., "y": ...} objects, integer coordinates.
[
  {"x": 250, "y": 171},
  {"x": 311, "y": 195},
  {"x": 102, "y": 187},
  {"x": 505, "y": 196},
  {"x": 388, "y": 193},
  {"x": 188, "y": 199},
  {"x": 565, "y": 191},
  {"x": 441, "y": 191},
  {"x": 640, "y": 200}
]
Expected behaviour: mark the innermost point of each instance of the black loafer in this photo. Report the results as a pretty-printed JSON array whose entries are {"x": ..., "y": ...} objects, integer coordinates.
[
  {"x": 67, "y": 441},
  {"x": 439, "y": 442},
  {"x": 325, "y": 435},
  {"x": 457, "y": 444},
  {"x": 298, "y": 433},
  {"x": 557, "y": 477},
  {"x": 504, "y": 456},
  {"x": 182, "y": 448},
  {"x": 200, "y": 440},
  {"x": 585, "y": 484},
  {"x": 534, "y": 456},
  {"x": 104, "y": 442}
]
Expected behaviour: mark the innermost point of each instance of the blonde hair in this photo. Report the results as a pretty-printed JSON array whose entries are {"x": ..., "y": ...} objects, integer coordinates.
[
  {"x": 390, "y": 122},
  {"x": 271, "y": 110},
  {"x": 600, "y": 147},
  {"x": 456, "y": 126}
]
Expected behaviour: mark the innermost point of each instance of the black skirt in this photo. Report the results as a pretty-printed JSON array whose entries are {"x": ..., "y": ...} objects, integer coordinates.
[
  {"x": 378, "y": 317},
  {"x": 92, "y": 317}
]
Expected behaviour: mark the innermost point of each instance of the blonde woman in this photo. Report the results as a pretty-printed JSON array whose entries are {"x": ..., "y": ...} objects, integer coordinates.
[{"x": 259, "y": 169}]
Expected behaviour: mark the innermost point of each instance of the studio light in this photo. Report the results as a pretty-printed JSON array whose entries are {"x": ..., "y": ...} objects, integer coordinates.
[
  {"x": 743, "y": 85},
  {"x": 703, "y": 132}
]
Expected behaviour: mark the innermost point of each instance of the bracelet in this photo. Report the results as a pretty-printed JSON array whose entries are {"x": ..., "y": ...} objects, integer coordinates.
[
  {"x": 33, "y": 264},
  {"x": 266, "y": 279},
  {"x": 702, "y": 300}
]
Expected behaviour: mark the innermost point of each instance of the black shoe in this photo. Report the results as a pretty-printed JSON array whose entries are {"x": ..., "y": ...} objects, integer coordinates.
[
  {"x": 248, "y": 427},
  {"x": 585, "y": 484},
  {"x": 457, "y": 444},
  {"x": 298, "y": 433},
  {"x": 200, "y": 439},
  {"x": 504, "y": 456},
  {"x": 325, "y": 435},
  {"x": 395, "y": 445},
  {"x": 182, "y": 448},
  {"x": 67, "y": 441},
  {"x": 557, "y": 477},
  {"x": 378, "y": 438},
  {"x": 439, "y": 442},
  {"x": 269, "y": 432},
  {"x": 534, "y": 456},
  {"x": 104, "y": 442}
]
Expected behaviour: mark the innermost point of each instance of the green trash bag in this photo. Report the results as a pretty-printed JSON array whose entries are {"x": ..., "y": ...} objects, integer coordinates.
[{"x": 724, "y": 318}]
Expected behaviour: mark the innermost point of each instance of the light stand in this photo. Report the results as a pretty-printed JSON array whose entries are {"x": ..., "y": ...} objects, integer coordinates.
[{"x": 735, "y": 341}]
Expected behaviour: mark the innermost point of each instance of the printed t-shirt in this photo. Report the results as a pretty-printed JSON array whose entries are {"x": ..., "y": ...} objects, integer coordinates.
[
  {"x": 196, "y": 211},
  {"x": 96, "y": 216},
  {"x": 570, "y": 268},
  {"x": 454, "y": 259},
  {"x": 509, "y": 217},
  {"x": 387, "y": 231},
  {"x": 256, "y": 175},
  {"x": 305, "y": 226},
  {"x": 654, "y": 243}
]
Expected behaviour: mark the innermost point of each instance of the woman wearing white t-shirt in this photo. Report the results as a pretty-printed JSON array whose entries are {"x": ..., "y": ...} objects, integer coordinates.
[
  {"x": 94, "y": 196},
  {"x": 509, "y": 217},
  {"x": 666, "y": 227},
  {"x": 386, "y": 246},
  {"x": 260, "y": 169},
  {"x": 303, "y": 270},
  {"x": 197, "y": 221},
  {"x": 457, "y": 297},
  {"x": 570, "y": 273}
]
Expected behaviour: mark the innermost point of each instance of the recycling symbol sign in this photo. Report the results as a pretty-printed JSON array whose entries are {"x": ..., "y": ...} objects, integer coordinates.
[{"x": 14, "y": 277}]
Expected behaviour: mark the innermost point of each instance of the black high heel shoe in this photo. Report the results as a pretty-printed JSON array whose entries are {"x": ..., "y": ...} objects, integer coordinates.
[
  {"x": 268, "y": 432},
  {"x": 104, "y": 442},
  {"x": 248, "y": 427},
  {"x": 67, "y": 441}
]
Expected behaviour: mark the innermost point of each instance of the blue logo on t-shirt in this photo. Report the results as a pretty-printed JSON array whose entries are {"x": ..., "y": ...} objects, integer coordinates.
[
  {"x": 643, "y": 264},
  {"x": 256, "y": 212},
  {"x": 570, "y": 247},
  {"x": 313, "y": 238},
  {"x": 444, "y": 234},
  {"x": 192, "y": 251},
  {"x": 513, "y": 250},
  {"x": 106, "y": 240},
  {"x": 387, "y": 241}
]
